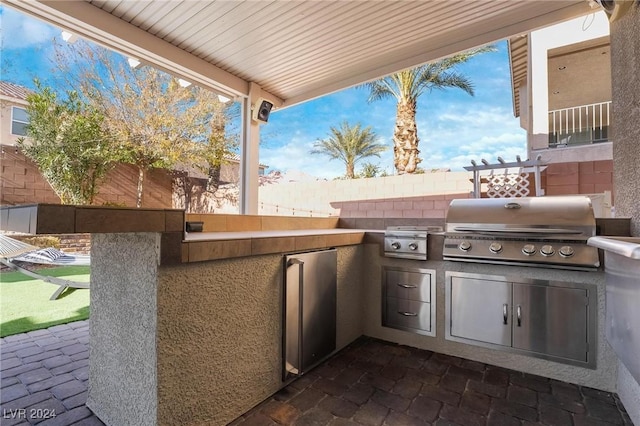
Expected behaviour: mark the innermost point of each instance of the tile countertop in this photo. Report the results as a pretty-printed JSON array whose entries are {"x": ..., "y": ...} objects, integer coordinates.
[
  {"x": 198, "y": 247},
  {"x": 214, "y": 236}
]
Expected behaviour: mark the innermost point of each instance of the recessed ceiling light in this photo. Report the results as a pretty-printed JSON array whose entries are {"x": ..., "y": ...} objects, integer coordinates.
[{"x": 133, "y": 62}]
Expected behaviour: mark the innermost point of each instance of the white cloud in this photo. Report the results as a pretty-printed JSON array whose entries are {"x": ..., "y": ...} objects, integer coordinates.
[
  {"x": 20, "y": 31},
  {"x": 458, "y": 134},
  {"x": 294, "y": 155}
]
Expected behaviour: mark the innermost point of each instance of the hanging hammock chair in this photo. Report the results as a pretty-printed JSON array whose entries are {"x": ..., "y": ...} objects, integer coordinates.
[{"x": 12, "y": 250}]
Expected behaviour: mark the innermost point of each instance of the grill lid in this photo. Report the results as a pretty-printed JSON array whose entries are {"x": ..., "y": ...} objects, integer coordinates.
[
  {"x": 545, "y": 231},
  {"x": 566, "y": 216}
]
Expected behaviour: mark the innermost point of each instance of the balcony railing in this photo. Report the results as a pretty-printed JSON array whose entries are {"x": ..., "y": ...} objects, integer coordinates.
[{"x": 579, "y": 125}]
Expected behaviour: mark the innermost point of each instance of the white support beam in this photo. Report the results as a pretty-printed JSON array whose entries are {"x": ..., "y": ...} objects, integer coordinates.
[{"x": 250, "y": 154}]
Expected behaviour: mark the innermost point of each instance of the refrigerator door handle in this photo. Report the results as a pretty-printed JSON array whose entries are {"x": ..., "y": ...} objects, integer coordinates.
[{"x": 300, "y": 263}]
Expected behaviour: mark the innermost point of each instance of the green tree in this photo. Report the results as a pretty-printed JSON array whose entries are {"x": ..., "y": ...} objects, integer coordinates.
[
  {"x": 369, "y": 170},
  {"x": 69, "y": 144},
  {"x": 349, "y": 145},
  {"x": 406, "y": 87},
  {"x": 157, "y": 121}
]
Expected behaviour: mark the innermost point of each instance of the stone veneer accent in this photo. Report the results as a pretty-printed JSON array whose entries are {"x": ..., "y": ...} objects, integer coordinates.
[{"x": 625, "y": 61}]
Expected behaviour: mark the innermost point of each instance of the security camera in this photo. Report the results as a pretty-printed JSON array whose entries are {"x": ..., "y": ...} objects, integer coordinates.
[
  {"x": 614, "y": 8},
  {"x": 261, "y": 110}
]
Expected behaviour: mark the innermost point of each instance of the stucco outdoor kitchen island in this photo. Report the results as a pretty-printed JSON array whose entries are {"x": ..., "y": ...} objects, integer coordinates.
[{"x": 187, "y": 329}]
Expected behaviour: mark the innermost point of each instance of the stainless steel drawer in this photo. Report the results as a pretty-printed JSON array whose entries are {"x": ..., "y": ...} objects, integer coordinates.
[
  {"x": 407, "y": 314},
  {"x": 408, "y": 285}
]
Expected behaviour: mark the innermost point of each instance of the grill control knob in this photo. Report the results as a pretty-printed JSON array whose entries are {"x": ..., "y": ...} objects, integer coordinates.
[
  {"x": 465, "y": 246},
  {"x": 495, "y": 248},
  {"x": 413, "y": 246},
  {"x": 547, "y": 250},
  {"x": 566, "y": 251},
  {"x": 395, "y": 245},
  {"x": 529, "y": 249}
]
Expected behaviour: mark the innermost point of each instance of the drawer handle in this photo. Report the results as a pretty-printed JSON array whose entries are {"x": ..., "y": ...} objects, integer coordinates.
[
  {"x": 407, "y": 285},
  {"x": 408, "y": 314},
  {"x": 519, "y": 315},
  {"x": 505, "y": 313}
]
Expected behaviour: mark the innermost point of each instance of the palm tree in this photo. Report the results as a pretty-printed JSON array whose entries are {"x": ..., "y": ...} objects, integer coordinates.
[
  {"x": 407, "y": 86},
  {"x": 349, "y": 144}
]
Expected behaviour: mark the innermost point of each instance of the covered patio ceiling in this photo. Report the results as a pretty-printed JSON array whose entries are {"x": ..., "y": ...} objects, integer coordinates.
[
  {"x": 291, "y": 51},
  {"x": 295, "y": 50}
]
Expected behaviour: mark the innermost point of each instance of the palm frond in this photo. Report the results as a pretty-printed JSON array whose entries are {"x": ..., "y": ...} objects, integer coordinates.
[{"x": 381, "y": 89}]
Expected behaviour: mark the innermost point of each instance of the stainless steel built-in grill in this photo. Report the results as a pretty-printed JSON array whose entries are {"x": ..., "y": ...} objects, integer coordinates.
[{"x": 536, "y": 231}]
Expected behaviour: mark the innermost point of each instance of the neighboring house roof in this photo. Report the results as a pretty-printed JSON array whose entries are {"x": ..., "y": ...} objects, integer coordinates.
[
  {"x": 10, "y": 90},
  {"x": 235, "y": 158},
  {"x": 229, "y": 160}
]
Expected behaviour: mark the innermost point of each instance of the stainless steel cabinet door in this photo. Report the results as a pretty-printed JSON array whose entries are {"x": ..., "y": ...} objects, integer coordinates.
[
  {"x": 310, "y": 310},
  {"x": 550, "y": 320},
  {"x": 481, "y": 310}
]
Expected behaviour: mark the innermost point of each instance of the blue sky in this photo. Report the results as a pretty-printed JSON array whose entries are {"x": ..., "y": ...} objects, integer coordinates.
[{"x": 453, "y": 127}]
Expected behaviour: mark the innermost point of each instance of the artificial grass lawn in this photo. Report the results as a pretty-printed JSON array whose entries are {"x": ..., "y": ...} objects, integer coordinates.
[{"x": 25, "y": 304}]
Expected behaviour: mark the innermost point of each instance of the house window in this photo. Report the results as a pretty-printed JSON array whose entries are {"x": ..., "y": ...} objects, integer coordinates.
[{"x": 19, "y": 121}]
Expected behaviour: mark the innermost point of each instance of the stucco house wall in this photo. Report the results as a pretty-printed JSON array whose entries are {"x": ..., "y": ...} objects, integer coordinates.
[
  {"x": 10, "y": 96},
  {"x": 625, "y": 60}
]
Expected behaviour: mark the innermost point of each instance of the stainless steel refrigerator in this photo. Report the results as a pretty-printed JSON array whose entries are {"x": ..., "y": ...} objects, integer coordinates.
[{"x": 309, "y": 329}]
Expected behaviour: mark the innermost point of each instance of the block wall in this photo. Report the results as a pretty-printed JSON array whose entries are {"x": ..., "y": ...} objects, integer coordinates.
[
  {"x": 336, "y": 197},
  {"x": 22, "y": 183},
  {"x": 587, "y": 177},
  {"x": 425, "y": 196}
]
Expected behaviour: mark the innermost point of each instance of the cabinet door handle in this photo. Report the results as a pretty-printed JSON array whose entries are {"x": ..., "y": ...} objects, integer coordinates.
[
  {"x": 505, "y": 313},
  {"x": 407, "y": 285},
  {"x": 519, "y": 315},
  {"x": 408, "y": 314}
]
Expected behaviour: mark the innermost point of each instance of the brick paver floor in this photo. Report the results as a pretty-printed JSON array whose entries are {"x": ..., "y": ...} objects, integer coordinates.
[
  {"x": 371, "y": 382},
  {"x": 43, "y": 375}
]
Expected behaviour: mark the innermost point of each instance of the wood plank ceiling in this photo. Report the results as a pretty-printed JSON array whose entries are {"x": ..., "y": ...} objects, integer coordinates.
[{"x": 298, "y": 50}]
